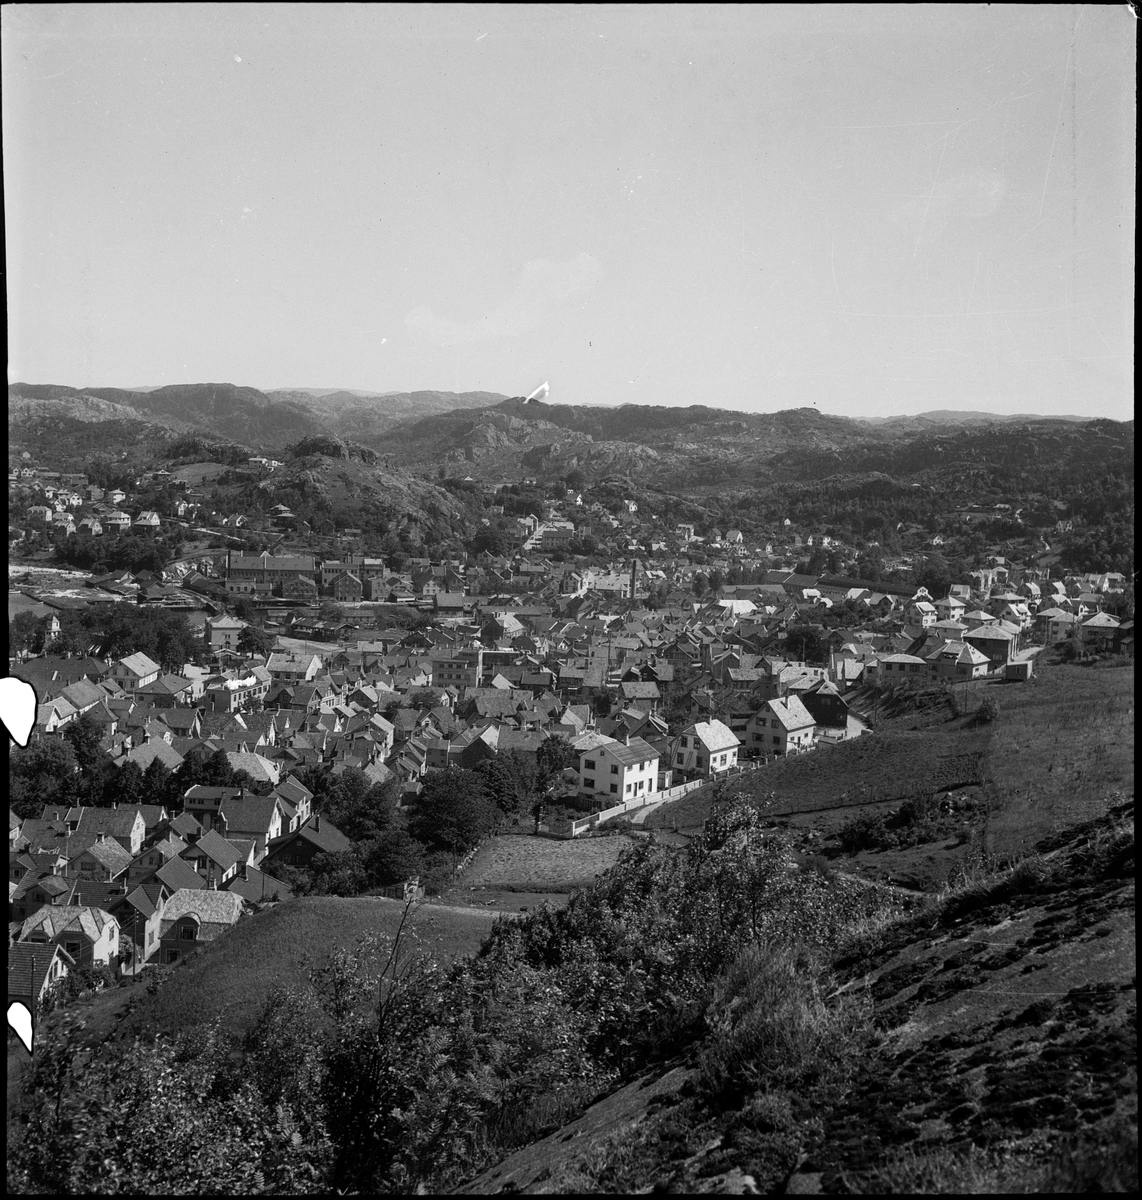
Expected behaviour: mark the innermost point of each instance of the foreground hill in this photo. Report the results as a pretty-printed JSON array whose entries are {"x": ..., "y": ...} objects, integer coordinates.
[{"x": 1005, "y": 1059}]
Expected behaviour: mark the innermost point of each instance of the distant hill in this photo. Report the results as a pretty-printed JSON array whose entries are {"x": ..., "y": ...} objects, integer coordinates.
[
  {"x": 365, "y": 415},
  {"x": 243, "y": 414},
  {"x": 698, "y": 448},
  {"x": 952, "y": 416},
  {"x": 692, "y": 449}
]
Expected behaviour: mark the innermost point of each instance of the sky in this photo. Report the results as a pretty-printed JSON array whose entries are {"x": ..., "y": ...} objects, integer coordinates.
[{"x": 868, "y": 209}]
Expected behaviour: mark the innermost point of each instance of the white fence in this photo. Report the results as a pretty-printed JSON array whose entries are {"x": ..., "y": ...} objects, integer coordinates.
[{"x": 575, "y": 828}]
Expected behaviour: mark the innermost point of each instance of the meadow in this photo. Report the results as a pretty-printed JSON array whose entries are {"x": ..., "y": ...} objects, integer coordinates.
[{"x": 539, "y": 865}]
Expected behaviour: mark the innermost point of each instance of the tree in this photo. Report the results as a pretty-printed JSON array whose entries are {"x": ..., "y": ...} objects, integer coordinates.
[
  {"x": 392, "y": 857},
  {"x": 83, "y": 736},
  {"x": 358, "y": 807},
  {"x": 452, "y": 811},
  {"x": 253, "y": 640},
  {"x": 244, "y": 608},
  {"x": 553, "y": 756},
  {"x": 131, "y": 784},
  {"x": 339, "y": 873},
  {"x": 502, "y": 781},
  {"x": 43, "y": 772},
  {"x": 25, "y": 634}
]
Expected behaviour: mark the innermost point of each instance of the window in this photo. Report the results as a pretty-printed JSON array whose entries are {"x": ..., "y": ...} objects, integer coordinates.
[
  {"x": 588, "y": 783},
  {"x": 614, "y": 770},
  {"x": 700, "y": 762},
  {"x": 614, "y": 789},
  {"x": 629, "y": 786},
  {"x": 588, "y": 764},
  {"x": 777, "y": 741},
  {"x": 679, "y": 759}
]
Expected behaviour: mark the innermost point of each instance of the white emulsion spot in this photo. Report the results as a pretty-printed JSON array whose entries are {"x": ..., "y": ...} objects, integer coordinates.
[
  {"x": 20, "y": 1019},
  {"x": 17, "y": 708}
]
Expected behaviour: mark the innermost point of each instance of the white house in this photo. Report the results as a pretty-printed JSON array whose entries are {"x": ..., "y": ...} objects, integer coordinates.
[
  {"x": 781, "y": 726},
  {"x": 611, "y": 771},
  {"x": 706, "y": 748}
]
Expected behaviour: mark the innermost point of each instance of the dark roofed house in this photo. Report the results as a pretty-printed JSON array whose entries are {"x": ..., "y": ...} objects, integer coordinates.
[
  {"x": 299, "y": 848},
  {"x": 33, "y": 970}
]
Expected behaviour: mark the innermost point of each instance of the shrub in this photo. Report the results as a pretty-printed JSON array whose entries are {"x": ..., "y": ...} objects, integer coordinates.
[
  {"x": 771, "y": 1026},
  {"x": 867, "y": 831},
  {"x": 988, "y": 710}
]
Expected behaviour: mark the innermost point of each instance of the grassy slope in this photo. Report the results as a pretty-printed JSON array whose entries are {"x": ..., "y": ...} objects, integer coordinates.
[
  {"x": 1061, "y": 743},
  {"x": 235, "y": 975}
]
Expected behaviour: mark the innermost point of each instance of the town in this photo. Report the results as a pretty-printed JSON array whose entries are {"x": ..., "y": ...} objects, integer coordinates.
[{"x": 269, "y": 723}]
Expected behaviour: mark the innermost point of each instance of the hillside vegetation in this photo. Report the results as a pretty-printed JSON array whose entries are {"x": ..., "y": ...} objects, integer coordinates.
[{"x": 703, "y": 1019}]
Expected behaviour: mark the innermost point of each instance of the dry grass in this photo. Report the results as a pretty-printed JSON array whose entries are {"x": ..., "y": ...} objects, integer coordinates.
[{"x": 535, "y": 864}]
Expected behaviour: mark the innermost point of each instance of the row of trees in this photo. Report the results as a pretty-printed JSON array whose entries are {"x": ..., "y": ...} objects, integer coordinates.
[
  {"x": 112, "y": 631},
  {"x": 74, "y": 769}
]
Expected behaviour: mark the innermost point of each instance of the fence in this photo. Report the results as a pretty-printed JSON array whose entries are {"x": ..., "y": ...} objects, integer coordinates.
[{"x": 573, "y": 829}]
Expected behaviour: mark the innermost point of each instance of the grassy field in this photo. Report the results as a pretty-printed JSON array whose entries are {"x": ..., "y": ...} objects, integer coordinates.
[
  {"x": 234, "y": 976},
  {"x": 538, "y": 865}
]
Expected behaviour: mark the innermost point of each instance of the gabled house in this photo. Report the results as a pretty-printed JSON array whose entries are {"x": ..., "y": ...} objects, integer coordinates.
[
  {"x": 781, "y": 726},
  {"x": 134, "y": 671},
  {"x": 612, "y": 771},
  {"x": 299, "y": 847},
  {"x": 102, "y": 861},
  {"x": 34, "y": 970},
  {"x": 90, "y": 936},
  {"x": 213, "y": 858},
  {"x": 705, "y": 748}
]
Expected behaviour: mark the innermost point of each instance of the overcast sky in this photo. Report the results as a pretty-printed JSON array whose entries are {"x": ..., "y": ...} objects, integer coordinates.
[{"x": 871, "y": 209}]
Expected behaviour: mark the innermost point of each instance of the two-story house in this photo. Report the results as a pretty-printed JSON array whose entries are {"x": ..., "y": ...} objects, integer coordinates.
[
  {"x": 706, "y": 749},
  {"x": 134, "y": 671},
  {"x": 613, "y": 771},
  {"x": 781, "y": 726},
  {"x": 90, "y": 936}
]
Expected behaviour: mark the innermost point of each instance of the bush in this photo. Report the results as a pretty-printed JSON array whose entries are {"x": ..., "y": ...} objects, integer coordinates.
[
  {"x": 771, "y": 1026},
  {"x": 988, "y": 710},
  {"x": 867, "y": 831}
]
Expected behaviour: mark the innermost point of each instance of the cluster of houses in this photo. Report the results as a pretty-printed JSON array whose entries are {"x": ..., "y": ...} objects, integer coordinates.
[{"x": 647, "y": 698}]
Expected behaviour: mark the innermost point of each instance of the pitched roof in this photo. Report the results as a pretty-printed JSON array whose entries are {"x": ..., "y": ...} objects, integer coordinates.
[
  {"x": 791, "y": 712},
  {"x": 713, "y": 734},
  {"x": 215, "y": 847},
  {"x": 634, "y": 751},
  {"x": 209, "y": 906},
  {"x": 258, "y": 887},
  {"x": 139, "y": 664},
  {"x": 56, "y": 919},
  {"x": 28, "y": 966}
]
